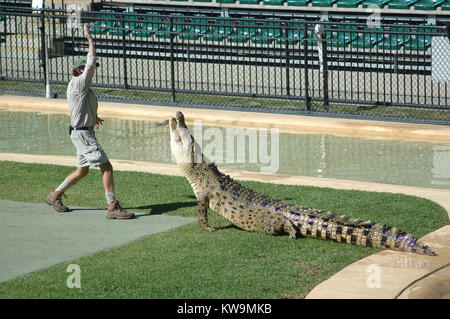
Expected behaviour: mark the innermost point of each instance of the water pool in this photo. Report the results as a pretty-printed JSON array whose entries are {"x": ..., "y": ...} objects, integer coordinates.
[{"x": 424, "y": 164}]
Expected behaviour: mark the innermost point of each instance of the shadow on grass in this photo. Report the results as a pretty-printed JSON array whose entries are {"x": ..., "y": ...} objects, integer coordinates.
[
  {"x": 158, "y": 209},
  {"x": 227, "y": 227}
]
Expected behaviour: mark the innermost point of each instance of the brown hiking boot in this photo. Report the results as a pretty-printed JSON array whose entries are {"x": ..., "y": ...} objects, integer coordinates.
[
  {"x": 115, "y": 211},
  {"x": 54, "y": 199}
]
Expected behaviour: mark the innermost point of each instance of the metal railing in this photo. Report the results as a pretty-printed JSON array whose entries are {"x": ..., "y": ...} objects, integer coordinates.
[{"x": 272, "y": 64}]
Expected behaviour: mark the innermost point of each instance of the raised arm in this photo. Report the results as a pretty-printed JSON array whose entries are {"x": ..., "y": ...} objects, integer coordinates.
[
  {"x": 88, "y": 36},
  {"x": 85, "y": 79}
]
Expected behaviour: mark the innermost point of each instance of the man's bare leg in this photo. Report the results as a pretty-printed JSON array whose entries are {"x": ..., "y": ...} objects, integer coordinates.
[{"x": 114, "y": 210}]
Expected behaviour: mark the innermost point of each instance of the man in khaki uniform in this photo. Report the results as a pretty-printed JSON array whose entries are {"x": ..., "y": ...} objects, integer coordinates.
[{"x": 83, "y": 119}]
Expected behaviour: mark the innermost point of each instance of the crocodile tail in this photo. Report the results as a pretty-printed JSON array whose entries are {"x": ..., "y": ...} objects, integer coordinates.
[{"x": 339, "y": 228}]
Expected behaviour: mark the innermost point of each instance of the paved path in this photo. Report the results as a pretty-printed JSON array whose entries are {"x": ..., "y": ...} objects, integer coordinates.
[{"x": 34, "y": 236}]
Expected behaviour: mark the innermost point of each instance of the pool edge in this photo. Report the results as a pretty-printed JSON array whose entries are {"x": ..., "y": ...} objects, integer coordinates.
[{"x": 284, "y": 122}]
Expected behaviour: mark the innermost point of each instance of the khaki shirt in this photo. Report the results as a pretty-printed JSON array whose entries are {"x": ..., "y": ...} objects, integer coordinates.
[{"x": 82, "y": 101}]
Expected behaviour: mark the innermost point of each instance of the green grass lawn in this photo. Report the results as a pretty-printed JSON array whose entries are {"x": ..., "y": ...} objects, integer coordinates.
[{"x": 188, "y": 262}]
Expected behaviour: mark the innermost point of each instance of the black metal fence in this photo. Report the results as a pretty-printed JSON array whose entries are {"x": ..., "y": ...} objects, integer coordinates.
[{"x": 280, "y": 64}]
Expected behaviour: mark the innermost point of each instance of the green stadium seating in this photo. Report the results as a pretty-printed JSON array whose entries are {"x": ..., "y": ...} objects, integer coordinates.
[
  {"x": 148, "y": 26},
  {"x": 273, "y": 2},
  {"x": 101, "y": 26},
  {"x": 395, "y": 41},
  {"x": 249, "y": 1},
  {"x": 446, "y": 6},
  {"x": 177, "y": 28},
  {"x": 294, "y": 35},
  {"x": 225, "y": 1},
  {"x": 342, "y": 37},
  {"x": 379, "y": 3},
  {"x": 328, "y": 35},
  {"x": 268, "y": 35},
  {"x": 348, "y": 3},
  {"x": 98, "y": 28},
  {"x": 193, "y": 31},
  {"x": 428, "y": 4},
  {"x": 130, "y": 23},
  {"x": 401, "y": 4},
  {"x": 220, "y": 31},
  {"x": 298, "y": 3},
  {"x": 244, "y": 31},
  {"x": 323, "y": 3},
  {"x": 421, "y": 42},
  {"x": 202, "y": 0},
  {"x": 368, "y": 39}
]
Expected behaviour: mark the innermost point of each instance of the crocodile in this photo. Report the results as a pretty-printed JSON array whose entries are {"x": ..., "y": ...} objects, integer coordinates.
[{"x": 252, "y": 211}]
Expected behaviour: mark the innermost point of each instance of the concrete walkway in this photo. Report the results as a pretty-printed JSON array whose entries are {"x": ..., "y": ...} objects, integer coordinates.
[
  {"x": 387, "y": 274},
  {"x": 34, "y": 236}
]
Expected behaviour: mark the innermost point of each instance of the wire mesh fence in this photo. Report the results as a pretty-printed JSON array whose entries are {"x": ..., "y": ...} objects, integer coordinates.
[{"x": 347, "y": 68}]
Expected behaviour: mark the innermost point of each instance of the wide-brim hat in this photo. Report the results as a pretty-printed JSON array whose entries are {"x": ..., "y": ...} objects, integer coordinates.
[{"x": 78, "y": 63}]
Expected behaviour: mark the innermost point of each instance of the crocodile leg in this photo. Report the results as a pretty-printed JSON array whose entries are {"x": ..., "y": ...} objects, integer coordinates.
[
  {"x": 202, "y": 209},
  {"x": 290, "y": 229}
]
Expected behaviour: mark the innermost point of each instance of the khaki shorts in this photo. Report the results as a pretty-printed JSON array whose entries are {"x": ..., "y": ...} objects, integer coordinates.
[{"x": 89, "y": 152}]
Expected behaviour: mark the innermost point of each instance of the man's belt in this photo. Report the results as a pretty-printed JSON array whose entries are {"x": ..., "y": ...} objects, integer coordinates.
[{"x": 83, "y": 128}]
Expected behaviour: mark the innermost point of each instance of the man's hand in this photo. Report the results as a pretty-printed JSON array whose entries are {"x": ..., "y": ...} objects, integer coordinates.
[
  {"x": 98, "y": 122},
  {"x": 87, "y": 34}
]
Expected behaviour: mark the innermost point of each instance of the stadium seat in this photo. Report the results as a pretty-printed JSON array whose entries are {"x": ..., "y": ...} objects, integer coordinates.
[
  {"x": 323, "y": 3},
  {"x": 294, "y": 35},
  {"x": 249, "y": 1},
  {"x": 244, "y": 31},
  {"x": 401, "y": 4},
  {"x": 273, "y": 2},
  {"x": 130, "y": 23},
  {"x": 268, "y": 35},
  {"x": 395, "y": 41},
  {"x": 176, "y": 28},
  {"x": 428, "y": 4},
  {"x": 101, "y": 26},
  {"x": 379, "y": 3},
  {"x": 421, "y": 42},
  {"x": 348, "y": 3},
  {"x": 219, "y": 31},
  {"x": 328, "y": 35},
  {"x": 194, "y": 31},
  {"x": 202, "y": 0},
  {"x": 446, "y": 6},
  {"x": 225, "y": 1},
  {"x": 298, "y": 3},
  {"x": 148, "y": 26},
  {"x": 368, "y": 39},
  {"x": 343, "y": 36}
]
